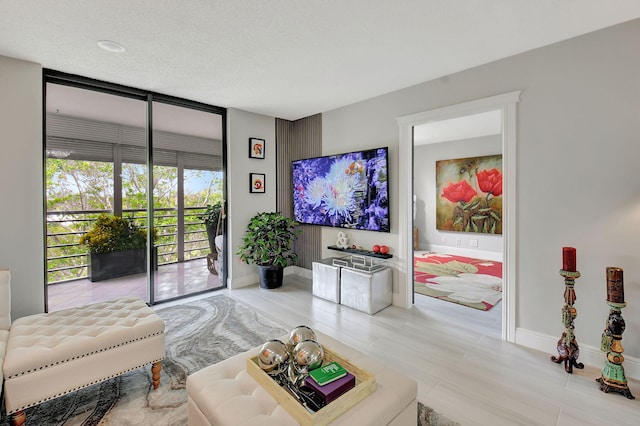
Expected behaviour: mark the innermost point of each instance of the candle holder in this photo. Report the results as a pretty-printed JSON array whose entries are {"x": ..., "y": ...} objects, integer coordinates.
[
  {"x": 613, "y": 378},
  {"x": 568, "y": 350}
]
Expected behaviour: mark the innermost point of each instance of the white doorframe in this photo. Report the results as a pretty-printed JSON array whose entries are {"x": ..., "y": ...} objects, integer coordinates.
[{"x": 506, "y": 103}]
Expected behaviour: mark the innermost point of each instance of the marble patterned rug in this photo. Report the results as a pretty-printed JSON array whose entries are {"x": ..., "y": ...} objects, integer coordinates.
[{"x": 198, "y": 334}]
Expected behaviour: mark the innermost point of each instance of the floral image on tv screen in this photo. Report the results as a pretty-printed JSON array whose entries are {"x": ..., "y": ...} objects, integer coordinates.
[{"x": 346, "y": 190}]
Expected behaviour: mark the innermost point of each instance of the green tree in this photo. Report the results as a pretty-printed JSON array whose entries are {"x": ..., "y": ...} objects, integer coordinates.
[{"x": 77, "y": 185}]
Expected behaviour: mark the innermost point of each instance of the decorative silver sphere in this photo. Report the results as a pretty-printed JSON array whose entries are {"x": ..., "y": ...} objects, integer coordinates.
[
  {"x": 273, "y": 357},
  {"x": 307, "y": 355},
  {"x": 300, "y": 333}
]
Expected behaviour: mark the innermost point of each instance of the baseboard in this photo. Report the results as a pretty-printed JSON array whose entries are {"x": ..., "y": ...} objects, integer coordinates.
[
  {"x": 589, "y": 355},
  {"x": 254, "y": 279},
  {"x": 246, "y": 281},
  {"x": 298, "y": 270},
  {"x": 459, "y": 251}
]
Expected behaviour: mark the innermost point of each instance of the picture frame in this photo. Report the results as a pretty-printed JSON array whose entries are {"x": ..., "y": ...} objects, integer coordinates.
[
  {"x": 256, "y": 148},
  {"x": 469, "y": 194},
  {"x": 257, "y": 183}
]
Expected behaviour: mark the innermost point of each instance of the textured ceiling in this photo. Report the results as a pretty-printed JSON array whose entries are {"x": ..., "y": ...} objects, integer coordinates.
[{"x": 288, "y": 58}]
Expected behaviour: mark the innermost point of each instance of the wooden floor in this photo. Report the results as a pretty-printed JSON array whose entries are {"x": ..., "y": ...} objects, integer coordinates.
[{"x": 463, "y": 369}]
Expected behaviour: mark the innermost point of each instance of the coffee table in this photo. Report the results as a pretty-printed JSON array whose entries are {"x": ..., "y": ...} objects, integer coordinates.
[{"x": 225, "y": 394}]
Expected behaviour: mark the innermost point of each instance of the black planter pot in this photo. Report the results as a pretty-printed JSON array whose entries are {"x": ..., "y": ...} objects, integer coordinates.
[
  {"x": 211, "y": 236},
  {"x": 271, "y": 276},
  {"x": 119, "y": 264}
]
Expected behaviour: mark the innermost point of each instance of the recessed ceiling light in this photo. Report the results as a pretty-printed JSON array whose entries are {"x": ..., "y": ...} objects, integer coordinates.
[{"x": 111, "y": 46}]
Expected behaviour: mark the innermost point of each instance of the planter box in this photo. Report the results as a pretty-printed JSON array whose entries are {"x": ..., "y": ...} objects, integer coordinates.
[{"x": 117, "y": 264}]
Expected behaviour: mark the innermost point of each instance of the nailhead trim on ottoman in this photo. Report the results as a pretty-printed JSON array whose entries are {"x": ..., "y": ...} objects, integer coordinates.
[{"x": 49, "y": 355}]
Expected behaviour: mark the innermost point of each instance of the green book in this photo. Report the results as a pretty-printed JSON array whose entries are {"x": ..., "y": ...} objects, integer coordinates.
[{"x": 327, "y": 373}]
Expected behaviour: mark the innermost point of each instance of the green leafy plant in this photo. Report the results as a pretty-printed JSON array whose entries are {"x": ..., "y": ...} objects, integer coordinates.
[
  {"x": 211, "y": 217},
  {"x": 211, "y": 214},
  {"x": 112, "y": 233},
  {"x": 268, "y": 240}
]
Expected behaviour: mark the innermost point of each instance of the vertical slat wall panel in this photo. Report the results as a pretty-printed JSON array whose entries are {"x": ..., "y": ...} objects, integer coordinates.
[
  {"x": 284, "y": 147},
  {"x": 295, "y": 140}
]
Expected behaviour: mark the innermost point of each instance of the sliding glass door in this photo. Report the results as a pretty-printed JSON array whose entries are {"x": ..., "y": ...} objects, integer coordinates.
[
  {"x": 128, "y": 177},
  {"x": 187, "y": 158},
  {"x": 94, "y": 184}
]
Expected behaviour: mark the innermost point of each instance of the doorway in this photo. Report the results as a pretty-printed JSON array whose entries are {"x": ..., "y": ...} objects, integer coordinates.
[
  {"x": 458, "y": 233},
  {"x": 506, "y": 105}
]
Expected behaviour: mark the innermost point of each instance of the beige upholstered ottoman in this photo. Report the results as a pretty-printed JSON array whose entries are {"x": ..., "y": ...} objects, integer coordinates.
[
  {"x": 225, "y": 394},
  {"x": 49, "y": 355}
]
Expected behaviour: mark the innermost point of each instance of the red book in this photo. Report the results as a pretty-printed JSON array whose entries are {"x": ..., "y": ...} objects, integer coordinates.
[{"x": 332, "y": 390}]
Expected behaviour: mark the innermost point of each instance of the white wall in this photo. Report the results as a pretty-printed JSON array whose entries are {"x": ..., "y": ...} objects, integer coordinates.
[
  {"x": 424, "y": 160},
  {"x": 21, "y": 221},
  {"x": 243, "y": 205},
  {"x": 578, "y": 182}
]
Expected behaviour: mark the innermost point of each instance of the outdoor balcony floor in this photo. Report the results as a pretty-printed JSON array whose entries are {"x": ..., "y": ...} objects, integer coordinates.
[{"x": 171, "y": 281}]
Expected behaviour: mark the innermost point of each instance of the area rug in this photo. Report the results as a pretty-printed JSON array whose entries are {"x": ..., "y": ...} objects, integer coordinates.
[
  {"x": 476, "y": 283},
  {"x": 198, "y": 333}
]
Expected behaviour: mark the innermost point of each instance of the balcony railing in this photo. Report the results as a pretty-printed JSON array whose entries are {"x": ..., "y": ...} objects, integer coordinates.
[{"x": 67, "y": 260}]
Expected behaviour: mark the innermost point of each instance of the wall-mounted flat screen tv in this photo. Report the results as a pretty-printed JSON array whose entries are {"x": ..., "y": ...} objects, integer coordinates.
[{"x": 346, "y": 190}]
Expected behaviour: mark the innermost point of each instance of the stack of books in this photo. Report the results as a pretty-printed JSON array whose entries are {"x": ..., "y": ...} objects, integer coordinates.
[{"x": 330, "y": 381}]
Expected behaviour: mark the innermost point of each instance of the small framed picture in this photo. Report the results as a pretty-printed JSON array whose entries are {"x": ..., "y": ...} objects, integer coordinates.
[
  {"x": 256, "y": 182},
  {"x": 256, "y": 148}
]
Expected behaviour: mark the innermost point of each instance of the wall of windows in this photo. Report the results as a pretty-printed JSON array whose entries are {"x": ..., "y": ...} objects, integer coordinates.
[{"x": 101, "y": 142}]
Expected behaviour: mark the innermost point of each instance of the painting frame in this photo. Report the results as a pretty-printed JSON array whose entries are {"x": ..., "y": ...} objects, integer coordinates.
[
  {"x": 257, "y": 148},
  {"x": 469, "y": 194},
  {"x": 257, "y": 183}
]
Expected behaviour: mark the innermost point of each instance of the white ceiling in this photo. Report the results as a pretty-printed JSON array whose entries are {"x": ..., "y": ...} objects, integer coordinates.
[{"x": 288, "y": 58}]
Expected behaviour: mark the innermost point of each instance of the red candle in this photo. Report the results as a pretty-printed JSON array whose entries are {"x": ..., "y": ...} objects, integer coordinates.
[
  {"x": 615, "y": 285},
  {"x": 569, "y": 259}
]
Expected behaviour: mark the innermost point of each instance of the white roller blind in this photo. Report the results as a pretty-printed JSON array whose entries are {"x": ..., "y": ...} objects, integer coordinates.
[{"x": 79, "y": 139}]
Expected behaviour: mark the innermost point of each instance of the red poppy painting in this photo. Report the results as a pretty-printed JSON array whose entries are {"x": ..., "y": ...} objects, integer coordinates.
[{"x": 469, "y": 194}]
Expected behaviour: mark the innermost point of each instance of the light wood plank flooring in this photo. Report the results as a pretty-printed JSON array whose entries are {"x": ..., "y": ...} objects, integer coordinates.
[{"x": 463, "y": 369}]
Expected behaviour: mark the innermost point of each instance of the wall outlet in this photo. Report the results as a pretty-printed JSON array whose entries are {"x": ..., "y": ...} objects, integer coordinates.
[
  {"x": 443, "y": 239},
  {"x": 473, "y": 243},
  {"x": 458, "y": 241}
]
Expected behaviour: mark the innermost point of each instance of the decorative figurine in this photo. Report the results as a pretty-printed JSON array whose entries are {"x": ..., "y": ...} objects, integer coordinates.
[
  {"x": 343, "y": 240},
  {"x": 613, "y": 378},
  {"x": 568, "y": 349}
]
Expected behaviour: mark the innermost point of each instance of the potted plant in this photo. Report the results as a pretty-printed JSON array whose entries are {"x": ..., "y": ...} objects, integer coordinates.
[
  {"x": 212, "y": 222},
  {"x": 117, "y": 247},
  {"x": 268, "y": 243},
  {"x": 211, "y": 217}
]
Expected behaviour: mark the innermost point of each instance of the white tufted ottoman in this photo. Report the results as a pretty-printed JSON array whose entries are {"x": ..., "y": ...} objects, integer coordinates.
[
  {"x": 225, "y": 394},
  {"x": 49, "y": 355}
]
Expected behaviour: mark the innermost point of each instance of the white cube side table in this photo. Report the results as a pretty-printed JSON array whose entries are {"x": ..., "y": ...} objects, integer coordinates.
[
  {"x": 326, "y": 280},
  {"x": 366, "y": 291}
]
